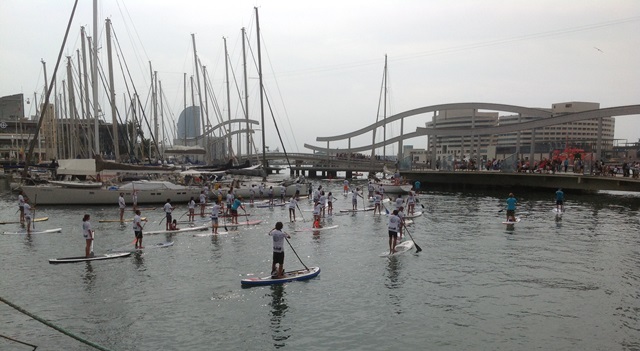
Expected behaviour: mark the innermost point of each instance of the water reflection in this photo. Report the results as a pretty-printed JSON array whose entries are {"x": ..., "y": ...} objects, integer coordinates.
[
  {"x": 89, "y": 277},
  {"x": 394, "y": 283},
  {"x": 278, "y": 310},
  {"x": 138, "y": 259},
  {"x": 558, "y": 221}
]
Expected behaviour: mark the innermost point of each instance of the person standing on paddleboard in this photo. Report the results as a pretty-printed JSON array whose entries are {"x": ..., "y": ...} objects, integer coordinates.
[
  {"x": 137, "y": 229},
  {"x": 345, "y": 187},
  {"x": 394, "y": 223},
  {"x": 167, "y": 210},
  {"x": 191, "y": 205},
  {"x": 122, "y": 206},
  {"x": 354, "y": 198},
  {"x": 203, "y": 202},
  {"x": 215, "y": 211},
  {"x": 330, "y": 203},
  {"x": 21, "y": 205},
  {"x": 377, "y": 201},
  {"x": 560, "y": 200},
  {"x": 511, "y": 208},
  {"x": 292, "y": 208},
  {"x": 237, "y": 203},
  {"x": 278, "y": 250},
  {"x": 87, "y": 233},
  {"x": 411, "y": 203},
  {"x": 27, "y": 214}
]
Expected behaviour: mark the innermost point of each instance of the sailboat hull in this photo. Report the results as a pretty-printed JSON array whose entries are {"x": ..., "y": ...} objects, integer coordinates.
[{"x": 54, "y": 195}]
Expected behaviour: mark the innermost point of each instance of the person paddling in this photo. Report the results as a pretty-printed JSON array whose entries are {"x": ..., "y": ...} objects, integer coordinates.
[
  {"x": 137, "y": 229},
  {"x": 278, "y": 250},
  {"x": 87, "y": 233},
  {"x": 21, "y": 206},
  {"x": 167, "y": 210},
  {"x": 215, "y": 211},
  {"x": 560, "y": 200},
  {"x": 27, "y": 214},
  {"x": 394, "y": 223},
  {"x": 511, "y": 208}
]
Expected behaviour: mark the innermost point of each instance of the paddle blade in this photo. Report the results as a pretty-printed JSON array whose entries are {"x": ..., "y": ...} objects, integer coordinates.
[{"x": 418, "y": 248}]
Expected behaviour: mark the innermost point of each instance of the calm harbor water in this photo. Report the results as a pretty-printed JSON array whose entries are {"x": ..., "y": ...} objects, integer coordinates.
[{"x": 569, "y": 283}]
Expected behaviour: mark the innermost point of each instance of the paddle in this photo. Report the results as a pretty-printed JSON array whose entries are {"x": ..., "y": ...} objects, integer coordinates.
[
  {"x": 418, "y": 249},
  {"x": 93, "y": 238},
  {"x": 33, "y": 220},
  {"x": 385, "y": 207},
  {"x": 294, "y": 251},
  {"x": 301, "y": 215}
]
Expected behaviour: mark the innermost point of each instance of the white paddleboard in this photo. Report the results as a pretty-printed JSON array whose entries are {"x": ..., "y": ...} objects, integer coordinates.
[
  {"x": 181, "y": 230},
  {"x": 156, "y": 246},
  {"x": 316, "y": 229},
  {"x": 201, "y": 235},
  {"x": 358, "y": 210},
  {"x": 511, "y": 222},
  {"x": 556, "y": 211},
  {"x": 85, "y": 259},
  {"x": 400, "y": 249},
  {"x": 24, "y": 232},
  {"x": 414, "y": 215}
]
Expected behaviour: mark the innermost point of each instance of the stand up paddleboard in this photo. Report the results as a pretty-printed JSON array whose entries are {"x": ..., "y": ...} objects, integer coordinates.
[
  {"x": 358, "y": 210},
  {"x": 181, "y": 230},
  {"x": 86, "y": 259},
  {"x": 239, "y": 223},
  {"x": 24, "y": 232},
  {"x": 201, "y": 235},
  {"x": 34, "y": 220},
  {"x": 301, "y": 274},
  {"x": 512, "y": 222},
  {"x": 556, "y": 211},
  {"x": 117, "y": 220},
  {"x": 316, "y": 229},
  {"x": 274, "y": 205},
  {"x": 400, "y": 249},
  {"x": 155, "y": 246}
]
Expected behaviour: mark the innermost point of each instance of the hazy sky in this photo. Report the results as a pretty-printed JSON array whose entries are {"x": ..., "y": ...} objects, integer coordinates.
[{"x": 323, "y": 61}]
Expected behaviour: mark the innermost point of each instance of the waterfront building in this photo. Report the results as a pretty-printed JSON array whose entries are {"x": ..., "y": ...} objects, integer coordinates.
[{"x": 523, "y": 144}]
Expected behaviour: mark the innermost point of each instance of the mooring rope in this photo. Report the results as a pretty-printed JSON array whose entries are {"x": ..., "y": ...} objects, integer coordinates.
[{"x": 84, "y": 341}]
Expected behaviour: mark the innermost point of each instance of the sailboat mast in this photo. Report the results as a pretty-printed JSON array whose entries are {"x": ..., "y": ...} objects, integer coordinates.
[
  {"x": 226, "y": 69},
  {"x": 112, "y": 92},
  {"x": 246, "y": 91},
  {"x": 384, "y": 111},
  {"x": 195, "y": 58},
  {"x": 185, "y": 109},
  {"x": 86, "y": 91},
  {"x": 264, "y": 153},
  {"x": 94, "y": 77}
]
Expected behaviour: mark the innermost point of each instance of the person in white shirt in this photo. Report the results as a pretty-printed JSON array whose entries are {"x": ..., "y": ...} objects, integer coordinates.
[
  {"x": 283, "y": 190},
  {"x": 354, "y": 199},
  {"x": 377, "y": 202},
  {"x": 399, "y": 202},
  {"x": 137, "y": 229},
  {"x": 87, "y": 233},
  {"x": 278, "y": 250},
  {"x": 215, "y": 211},
  {"x": 167, "y": 210},
  {"x": 394, "y": 223},
  {"x": 203, "y": 202},
  {"x": 292, "y": 208},
  {"x": 122, "y": 206},
  {"x": 192, "y": 209},
  {"x": 27, "y": 215},
  {"x": 345, "y": 187},
  {"x": 411, "y": 202},
  {"x": 21, "y": 206}
]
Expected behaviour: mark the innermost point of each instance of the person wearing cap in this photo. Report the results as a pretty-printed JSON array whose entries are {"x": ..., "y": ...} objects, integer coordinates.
[
  {"x": 560, "y": 200},
  {"x": 511, "y": 208},
  {"x": 237, "y": 203}
]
